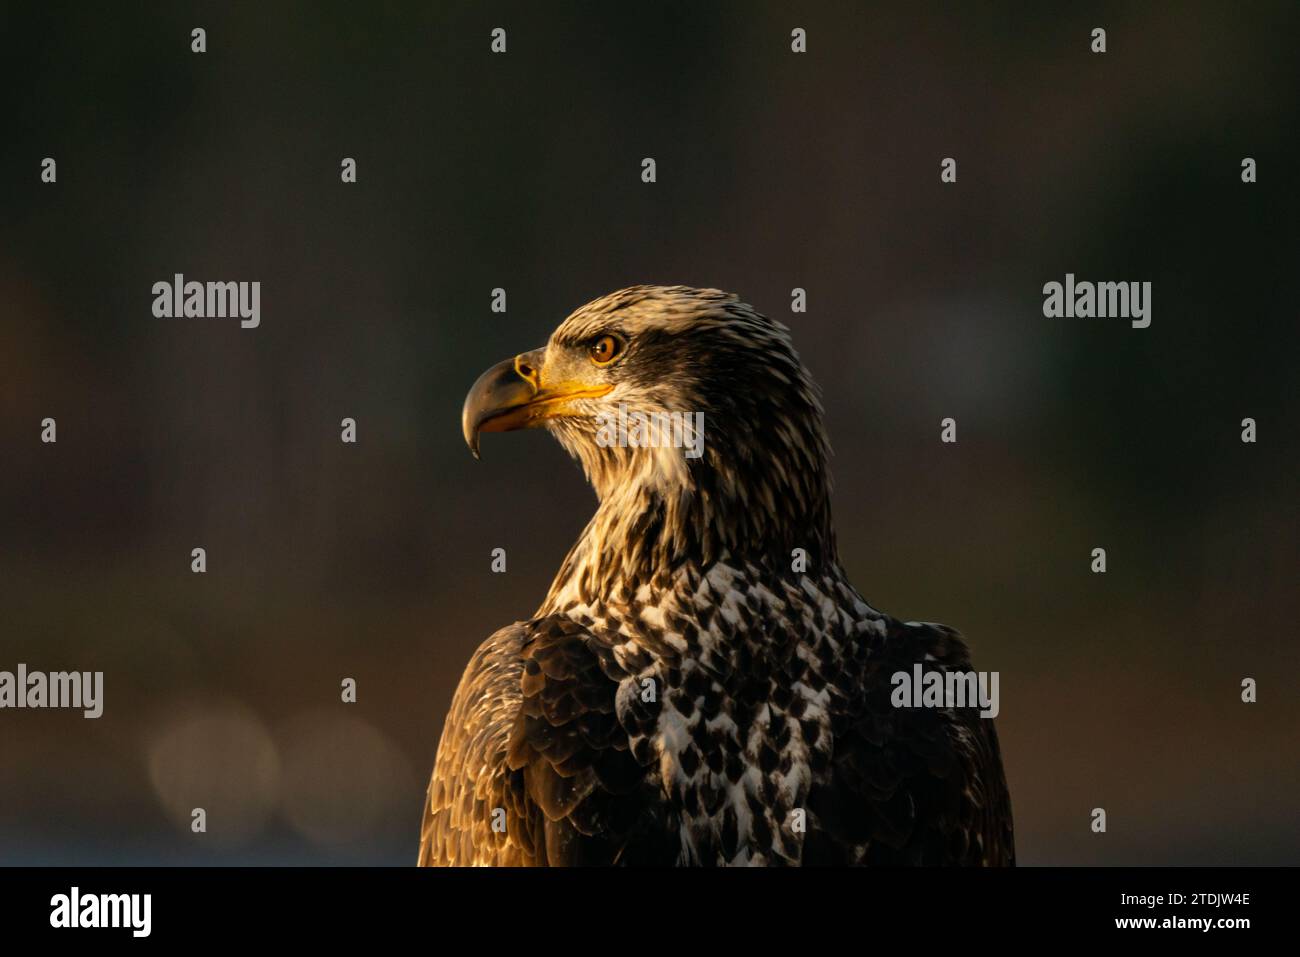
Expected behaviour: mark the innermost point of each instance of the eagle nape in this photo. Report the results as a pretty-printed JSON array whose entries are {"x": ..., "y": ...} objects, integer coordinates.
[{"x": 702, "y": 684}]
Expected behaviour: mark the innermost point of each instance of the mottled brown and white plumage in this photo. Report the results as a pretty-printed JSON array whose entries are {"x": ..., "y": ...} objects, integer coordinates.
[{"x": 682, "y": 695}]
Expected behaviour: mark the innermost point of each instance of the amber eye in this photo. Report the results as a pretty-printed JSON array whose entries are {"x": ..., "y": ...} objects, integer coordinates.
[{"x": 604, "y": 349}]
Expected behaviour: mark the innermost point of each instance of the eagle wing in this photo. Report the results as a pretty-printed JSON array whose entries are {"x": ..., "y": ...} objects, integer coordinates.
[
  {"x": 534, "y": 766},
  {"x": 921, "y": 786}
]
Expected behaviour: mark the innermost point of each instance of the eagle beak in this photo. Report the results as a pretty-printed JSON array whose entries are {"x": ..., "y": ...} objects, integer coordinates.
[{"x": 510, "y": 396}]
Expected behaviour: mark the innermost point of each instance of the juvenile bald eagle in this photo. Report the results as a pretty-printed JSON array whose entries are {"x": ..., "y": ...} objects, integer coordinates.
[{"x": 701, "y": 685}]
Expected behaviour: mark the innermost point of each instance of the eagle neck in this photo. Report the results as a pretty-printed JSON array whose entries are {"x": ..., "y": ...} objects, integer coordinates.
[{"x": 647, "y": 534}]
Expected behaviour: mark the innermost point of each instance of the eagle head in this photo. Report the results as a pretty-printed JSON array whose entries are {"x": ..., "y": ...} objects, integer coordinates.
[{"x": 693, "y": 418}]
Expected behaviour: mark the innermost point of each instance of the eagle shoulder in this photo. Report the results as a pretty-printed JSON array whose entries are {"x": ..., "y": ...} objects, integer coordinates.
[
  {"x": 534, "y": 738},
  {"x": 472, "y": 789}
]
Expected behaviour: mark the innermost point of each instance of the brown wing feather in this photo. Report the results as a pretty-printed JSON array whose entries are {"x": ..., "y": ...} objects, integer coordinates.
[
  {"x": 470, "y": 779},
  {"x": 533, "y": 730},
  {"x": 912, "y": 786}
]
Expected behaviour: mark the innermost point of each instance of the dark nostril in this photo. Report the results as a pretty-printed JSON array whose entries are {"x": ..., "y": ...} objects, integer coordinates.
[{"x": 526, "y": 369}]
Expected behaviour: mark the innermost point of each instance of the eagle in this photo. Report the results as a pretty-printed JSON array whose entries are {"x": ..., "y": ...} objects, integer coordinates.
[{"x": 701, "y": 685}]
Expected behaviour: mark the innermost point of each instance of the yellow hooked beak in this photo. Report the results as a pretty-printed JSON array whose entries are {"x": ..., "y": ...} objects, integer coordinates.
[{"x": 511, "y": 395}]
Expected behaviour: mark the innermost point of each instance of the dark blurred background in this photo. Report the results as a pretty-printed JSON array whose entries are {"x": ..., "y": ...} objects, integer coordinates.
[{"x": 522, "y": 171}]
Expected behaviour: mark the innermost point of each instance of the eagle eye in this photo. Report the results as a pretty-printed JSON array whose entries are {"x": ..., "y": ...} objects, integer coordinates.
[{"x": 604, "y": 350}]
